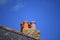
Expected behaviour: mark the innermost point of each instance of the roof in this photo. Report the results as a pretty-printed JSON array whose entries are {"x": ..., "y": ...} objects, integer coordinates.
[{"x": 20, "y": 33}]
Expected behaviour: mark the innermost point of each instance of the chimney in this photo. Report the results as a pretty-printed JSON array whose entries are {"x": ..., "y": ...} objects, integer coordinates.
[{"x": 33, "y": 25}]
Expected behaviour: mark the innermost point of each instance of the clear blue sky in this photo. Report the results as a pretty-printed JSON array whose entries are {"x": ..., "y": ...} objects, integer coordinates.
[{"x": 46, "y": 13}]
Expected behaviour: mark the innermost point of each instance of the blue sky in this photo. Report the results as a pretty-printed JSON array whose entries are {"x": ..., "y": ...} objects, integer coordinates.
[{"x": 46, "y": 13}]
